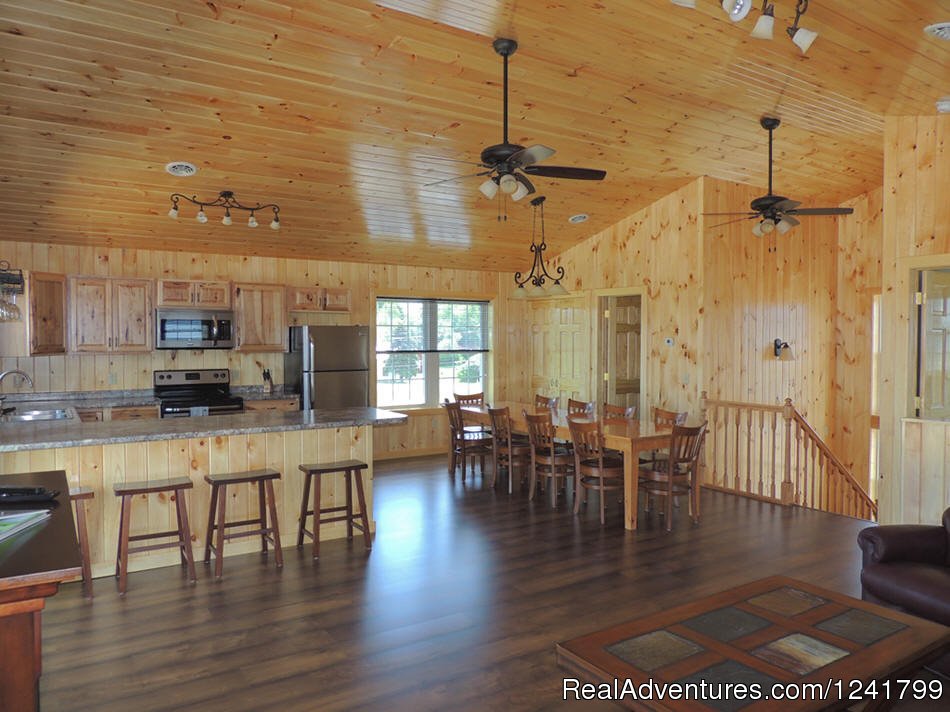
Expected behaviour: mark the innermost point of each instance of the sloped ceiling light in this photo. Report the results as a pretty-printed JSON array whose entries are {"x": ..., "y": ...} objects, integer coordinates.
[
  {"x": 227, "y": 201},
  {"x": 802, "y": 37},
  {"x": 766, "y": 22},
  {"x": 539, "y": 274},
  {"x": 737, "y": 9}
]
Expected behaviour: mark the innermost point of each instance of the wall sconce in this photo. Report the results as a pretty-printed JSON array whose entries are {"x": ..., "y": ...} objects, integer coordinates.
[{"x": 782, "y": 351}]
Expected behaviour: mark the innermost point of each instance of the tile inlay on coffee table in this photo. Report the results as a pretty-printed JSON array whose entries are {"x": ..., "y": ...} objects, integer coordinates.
[{"x": 776, "y": 630}]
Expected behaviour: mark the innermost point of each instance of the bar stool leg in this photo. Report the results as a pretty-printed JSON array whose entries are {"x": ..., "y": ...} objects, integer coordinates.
[
  {"x": 118, "y": 546},
  {"x": 184, "y": 535},
  {"x": 262, "y": 514},
  {"x": 303, "y": 508},
  {"x": 84, "y": 548},
  {"x": 123, "y": 563},
  {"x": 219, "y": 544},
  {"x": 181, "y": 550},
  {"x": 348, "y": 483},
  {"x": 272, "y": 504},
  {"x": 362, "y": 502},
  {"x": 316, "y": 516},
  {"x": 210, "y": 531}
]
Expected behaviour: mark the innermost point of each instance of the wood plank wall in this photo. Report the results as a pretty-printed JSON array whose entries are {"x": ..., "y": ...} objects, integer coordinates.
[
  {"x": 88, "y": 372},
  {"x": 916, "y": 235},
  {"x": 926, "y": 471},
  {"x": 761, "y": 289},
  {"x": 860, "y": 242}
]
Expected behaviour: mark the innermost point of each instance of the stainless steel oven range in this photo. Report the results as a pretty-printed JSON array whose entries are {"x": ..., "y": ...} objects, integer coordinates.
[{"x": 203, "y": 391}]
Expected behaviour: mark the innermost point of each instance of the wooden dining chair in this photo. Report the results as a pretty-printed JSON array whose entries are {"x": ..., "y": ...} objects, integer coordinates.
[
  {"x": 464, "y": 443},
  {"x": 594, "y": 467},
  {"x": 549, "y": 460},
  {"x": 663, "y": 418},
  {"x": 509, "y": 450},
  {"x": 469, "y": 399},
  {"x": 619, "y": 413},
  {"x": 579, "y": 408},
  {"x": 678, "y": 474},
  {"x": 545, "y": 402}
]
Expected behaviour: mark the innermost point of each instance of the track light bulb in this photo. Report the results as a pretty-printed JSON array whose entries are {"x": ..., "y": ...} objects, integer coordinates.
[
  {"x": 226, "y": 220},
  {"x": 508, "y": 184},
  {"x": 275, "y": 223},
  {"x": 737, "y": 9},
  {"x": 489, "y": 188},
  {"x": 173, "y": 213},
  {"x": 201, "y": 217},
  {"x": 252, "y": 221},
  {"x": 802, "y": 38},
  {"x": 765, "y": 24}
]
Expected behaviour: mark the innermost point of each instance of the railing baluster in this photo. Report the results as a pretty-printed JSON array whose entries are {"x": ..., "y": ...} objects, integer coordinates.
[
  {"x": 715, "y": 439},
  {"x": 737, "y": 475},
  {"x": 748, "y": 450},
  {"x": 761, "y": 436}
]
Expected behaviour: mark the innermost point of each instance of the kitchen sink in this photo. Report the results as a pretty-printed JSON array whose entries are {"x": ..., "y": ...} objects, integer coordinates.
[{"x": 27, "y": 416}]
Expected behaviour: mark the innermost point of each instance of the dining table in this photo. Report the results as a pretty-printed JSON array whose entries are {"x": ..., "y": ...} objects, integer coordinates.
[{"x": 630, "y": 437}]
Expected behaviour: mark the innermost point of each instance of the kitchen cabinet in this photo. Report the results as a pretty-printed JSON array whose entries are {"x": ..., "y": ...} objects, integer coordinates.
[
  {"x": 193, "y": 293},
  {"x": 313, "y": 299},
  {"x": 272, "y": 404},
  {"x": 146, "y": 412},
  {"x": 110, "y": 315},
  {"x": 260, "y": 317},
  {"x": 47, "y": 320}
]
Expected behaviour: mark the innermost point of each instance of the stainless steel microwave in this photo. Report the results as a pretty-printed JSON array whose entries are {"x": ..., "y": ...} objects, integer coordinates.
[{"x": 194, "y": 329}]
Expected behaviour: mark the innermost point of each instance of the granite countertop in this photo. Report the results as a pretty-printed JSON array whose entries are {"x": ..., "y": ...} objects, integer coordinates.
[
  {"x": 73, "y": 433},
  {"x": 120, "y": 399}
]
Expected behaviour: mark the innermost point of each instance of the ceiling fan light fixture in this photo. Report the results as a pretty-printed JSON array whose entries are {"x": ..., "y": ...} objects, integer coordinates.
[
  {"x": 489, "y": 188},
  {"x": 766, "y": 226},
  {"x": 520, "y": 192},
  {"x": 765, "y": 24},
  {"x": 783, "y": 226},
  {"x": 737, "y": 9},
  {"x": 508, "y": 184},
  {"x": 757, "y": 229}
]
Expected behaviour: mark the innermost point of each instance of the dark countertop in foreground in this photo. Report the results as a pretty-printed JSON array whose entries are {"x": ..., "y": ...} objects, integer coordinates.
[{"x": 73, "y": 433}]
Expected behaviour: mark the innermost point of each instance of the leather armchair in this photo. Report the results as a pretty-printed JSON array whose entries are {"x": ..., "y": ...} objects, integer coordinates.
[{"x": 907, "y": 566}]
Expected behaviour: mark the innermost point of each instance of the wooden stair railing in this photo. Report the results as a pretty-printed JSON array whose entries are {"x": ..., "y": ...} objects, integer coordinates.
[{"x": 770, "y": 452}]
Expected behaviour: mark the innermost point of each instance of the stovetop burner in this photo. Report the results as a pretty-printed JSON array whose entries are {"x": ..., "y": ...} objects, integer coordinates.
[{"x": 195, "y": 392}]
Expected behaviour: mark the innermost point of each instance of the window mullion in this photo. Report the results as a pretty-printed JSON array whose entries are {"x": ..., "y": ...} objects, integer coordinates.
[{"x": 431, "y": 316}]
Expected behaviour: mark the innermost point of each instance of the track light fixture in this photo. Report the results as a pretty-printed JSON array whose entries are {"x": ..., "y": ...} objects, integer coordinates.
[
  {"x": 539, "y": 273},
  {"x": 802, "y": 37},
  {"x": 766, "y": 22},
  {"x": 737, "y": 10},
  {"x": 227, "y": 201}
]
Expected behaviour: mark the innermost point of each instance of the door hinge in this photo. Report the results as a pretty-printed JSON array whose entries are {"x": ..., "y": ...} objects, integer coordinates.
[
  {"x": 918, "y": 403},
  {"x": 919, "y": 299},
  {"x": 606, "y": 313},
  {"x": 606, "y": 376}
]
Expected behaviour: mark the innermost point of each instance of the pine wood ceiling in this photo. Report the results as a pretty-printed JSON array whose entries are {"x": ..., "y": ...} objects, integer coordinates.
[{"x": 340, "y": 111}]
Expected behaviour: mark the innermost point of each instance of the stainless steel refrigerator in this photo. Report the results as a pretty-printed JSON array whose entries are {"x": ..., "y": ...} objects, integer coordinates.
[{"x": 328, "y": 366}]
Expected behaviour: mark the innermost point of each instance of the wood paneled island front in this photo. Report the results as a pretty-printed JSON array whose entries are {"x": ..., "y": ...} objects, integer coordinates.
[{"x": 98, "y": 454}]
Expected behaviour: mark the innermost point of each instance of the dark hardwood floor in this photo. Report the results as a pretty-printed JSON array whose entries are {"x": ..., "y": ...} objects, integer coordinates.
[{"x": 458, "y": 606}]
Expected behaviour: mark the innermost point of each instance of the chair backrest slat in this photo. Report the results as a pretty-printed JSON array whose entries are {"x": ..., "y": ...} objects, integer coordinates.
[
  {"x": 470, "y": 399},
  {"x": 545, "y": 402},
  {"x": 619, "y": 413},
  {"x": 578, "y": 407},
  {"x": 668, "y": 417},
  {"x": 454, "y": 411}
]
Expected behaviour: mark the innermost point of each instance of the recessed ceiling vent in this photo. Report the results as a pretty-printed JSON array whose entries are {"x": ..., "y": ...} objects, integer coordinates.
[
  {"x": 939, "y": 29},
  {"x": 181, "y": 169}
]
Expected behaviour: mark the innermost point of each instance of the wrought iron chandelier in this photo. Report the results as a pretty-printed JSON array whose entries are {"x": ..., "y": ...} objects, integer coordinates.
[
  {"x": 539, "y": 272},
  {"x": 227, "y": 201}
]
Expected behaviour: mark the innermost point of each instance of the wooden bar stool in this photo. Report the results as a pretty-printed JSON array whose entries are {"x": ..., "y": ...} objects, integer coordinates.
[
  {"x": 216, "y": 515},
  {"x": 76, "y": 496},
  {"x": 128, "y": 490},
  {"x": 349, "y": 468}
]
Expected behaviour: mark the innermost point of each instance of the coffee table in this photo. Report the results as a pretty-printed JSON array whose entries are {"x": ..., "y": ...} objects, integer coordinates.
[{"x": 775, "y": 630}]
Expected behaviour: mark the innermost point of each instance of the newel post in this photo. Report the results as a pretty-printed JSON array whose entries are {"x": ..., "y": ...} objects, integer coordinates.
[{"x": 788, "y": 488}]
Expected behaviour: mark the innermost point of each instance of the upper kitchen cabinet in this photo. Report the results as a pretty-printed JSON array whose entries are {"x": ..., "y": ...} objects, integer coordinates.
[
  {"x": 319, "y": 299},
  {"x": 47, "y": 322},
  {"x": 193, "y": 293},
  {"x": 110, "y": 315},
  {"x": 260, "y": 317}
]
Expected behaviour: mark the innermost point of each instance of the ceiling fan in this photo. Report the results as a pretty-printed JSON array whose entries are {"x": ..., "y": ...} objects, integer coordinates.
[
  {"x": 508, "y": 165},
  {"x": 776, "y": 212}
]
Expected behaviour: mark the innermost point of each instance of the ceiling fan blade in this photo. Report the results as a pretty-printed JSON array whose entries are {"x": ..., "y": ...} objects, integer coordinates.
[
  {"x": 530, "y": 155},
  {"x": 565, "y": 172},
  {"x": 449, "y": 180},
  {"x": 730, "y": 222},
  {"x": 746, "y": 213},
  {"x": 425, "y": 157},
  {"x": 820, "y": 211},
  {"x": 790, "y": 220},
  {"x": 785, "y": 205}
]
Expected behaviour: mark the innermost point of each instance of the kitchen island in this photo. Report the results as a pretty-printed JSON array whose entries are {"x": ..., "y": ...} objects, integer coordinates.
[{"x": 98, "y": 454}]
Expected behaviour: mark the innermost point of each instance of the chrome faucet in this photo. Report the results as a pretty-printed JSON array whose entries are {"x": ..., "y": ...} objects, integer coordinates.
[{"x": 17, "y": 372}]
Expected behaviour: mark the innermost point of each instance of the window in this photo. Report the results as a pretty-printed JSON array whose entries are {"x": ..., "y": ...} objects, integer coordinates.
[
  {"x": 428, "y": 349},
  {"x": 933, "y": 345}
]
